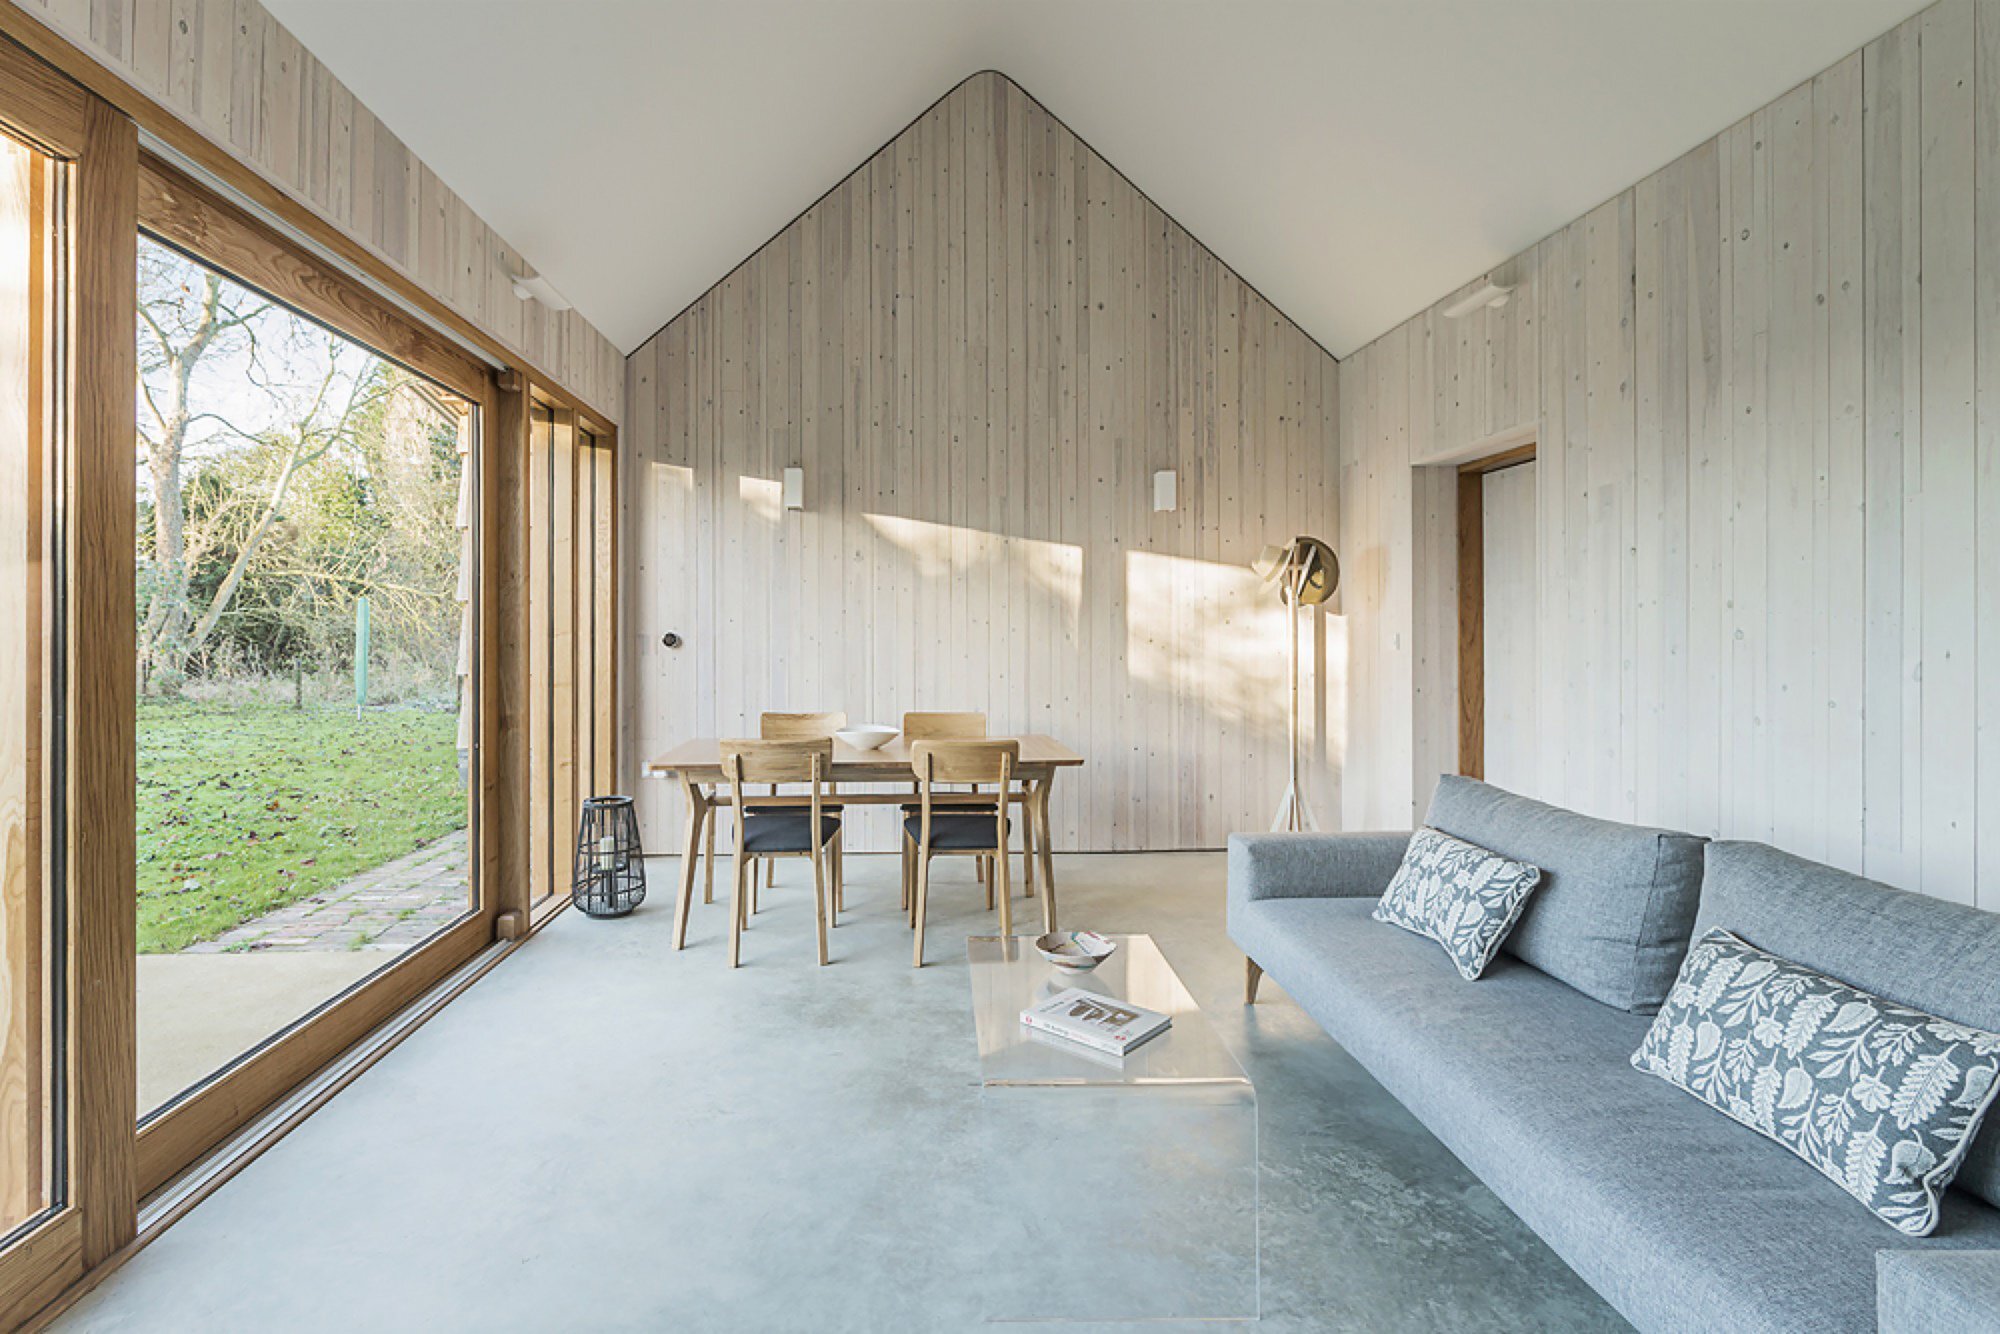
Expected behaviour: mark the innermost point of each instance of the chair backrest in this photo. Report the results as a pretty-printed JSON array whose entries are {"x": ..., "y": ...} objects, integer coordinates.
[
  {"x": 800, "y": 726},
  {"x": 964, "y": 762},
  {"x": 944, "y": 726},
  {"x": 800, "y": 761}
]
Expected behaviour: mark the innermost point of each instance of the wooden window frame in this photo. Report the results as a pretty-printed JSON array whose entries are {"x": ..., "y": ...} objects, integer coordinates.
[
  {"x": 194, "y": 219},
  {"x": 1472, "y": 603},
  {"x": 62, "y": 101},
  {"x": 576, "y": 467},
  {"x": 94, "y": 1200}
]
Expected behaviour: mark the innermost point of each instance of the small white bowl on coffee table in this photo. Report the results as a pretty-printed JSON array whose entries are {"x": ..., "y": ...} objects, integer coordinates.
[{"x": 1075, "y": 951}]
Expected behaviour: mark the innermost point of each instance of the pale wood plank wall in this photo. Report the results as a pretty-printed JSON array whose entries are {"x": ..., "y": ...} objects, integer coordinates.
[
  {"x": 1766, "y": 391},
  {"x": 233, "y": 73},
  {"x": 980, "y": 347}
]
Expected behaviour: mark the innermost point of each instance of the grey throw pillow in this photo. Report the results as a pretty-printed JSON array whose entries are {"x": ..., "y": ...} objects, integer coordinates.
[
  {"x": 1881, "y": 1098},
  {"x": 1460, "y": 895}
]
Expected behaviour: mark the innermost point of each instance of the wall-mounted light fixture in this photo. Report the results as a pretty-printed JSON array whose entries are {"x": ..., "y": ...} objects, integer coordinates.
[
  {"x": 1488, "y": 294},
  {"x": 532, "y": 286},
  {"x": 795, "y": 488},
  {"x": 1166, "y": 491}
]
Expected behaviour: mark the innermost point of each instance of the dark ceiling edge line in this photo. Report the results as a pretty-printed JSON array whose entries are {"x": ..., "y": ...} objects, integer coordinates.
[{"x": 912, "y": 124}]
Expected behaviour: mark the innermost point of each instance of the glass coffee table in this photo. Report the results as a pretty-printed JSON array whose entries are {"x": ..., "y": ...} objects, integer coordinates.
[{"x": 1123, "y": 1188}]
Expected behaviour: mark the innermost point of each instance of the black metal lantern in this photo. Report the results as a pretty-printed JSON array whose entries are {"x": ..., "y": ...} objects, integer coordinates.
[{"x": 610, "y": 875}]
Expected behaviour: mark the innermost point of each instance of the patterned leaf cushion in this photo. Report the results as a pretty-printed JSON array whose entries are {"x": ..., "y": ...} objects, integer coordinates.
[
  {"x": 1881, "y": 1098},
  {"x": 1460, "y": 895}
]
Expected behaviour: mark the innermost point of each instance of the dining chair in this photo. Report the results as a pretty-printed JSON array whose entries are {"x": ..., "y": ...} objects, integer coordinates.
[
  {"x": 962, "y": 828},
  {"x": 944, "y": 727},
  {"x": 958, "y": 727},
  {"x": 806, "y": 727},
  {"x": 807, "y": 831}
]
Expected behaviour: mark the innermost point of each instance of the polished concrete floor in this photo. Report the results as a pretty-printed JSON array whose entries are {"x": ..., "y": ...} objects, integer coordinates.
[{"x": 605, "y": 1135}]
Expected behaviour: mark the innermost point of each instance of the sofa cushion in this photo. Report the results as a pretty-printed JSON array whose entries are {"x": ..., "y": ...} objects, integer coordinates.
[
  {"x": 1458, "y": 894},
  {"x": 1529, "y": 1084},
  {"x": 1941, "y": 958},
  {"x": 1615, "y": 908},
  {"x": 1925, "y": 1293},
  {"x": 1881, "y": 1098}
]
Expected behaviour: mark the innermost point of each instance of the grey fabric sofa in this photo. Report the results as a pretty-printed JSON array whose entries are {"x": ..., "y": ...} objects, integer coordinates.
[{"x": 1681, "y": 1218}]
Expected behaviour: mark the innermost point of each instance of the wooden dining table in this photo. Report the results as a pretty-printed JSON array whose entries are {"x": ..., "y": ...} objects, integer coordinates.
[{"x": 698, "y": 766}]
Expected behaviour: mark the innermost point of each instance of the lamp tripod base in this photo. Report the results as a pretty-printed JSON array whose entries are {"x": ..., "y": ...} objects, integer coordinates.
[{"x": 1294, "y": 816}]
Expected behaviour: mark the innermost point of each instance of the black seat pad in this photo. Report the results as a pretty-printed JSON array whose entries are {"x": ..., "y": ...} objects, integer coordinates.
[
  {"x": 956, "y": 833},
  {"x": 788, "y": 831}
]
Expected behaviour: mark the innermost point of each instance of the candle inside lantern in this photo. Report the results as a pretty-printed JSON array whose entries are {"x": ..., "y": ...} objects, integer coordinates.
[{"x": 607, "y": 854}]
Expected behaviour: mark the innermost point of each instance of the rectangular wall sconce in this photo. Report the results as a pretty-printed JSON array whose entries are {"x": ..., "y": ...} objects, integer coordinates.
[
  {"x": 795, "y": 488},
  {"x": 1489, "y": 294},
  {"x": 1166, "y": 491}
]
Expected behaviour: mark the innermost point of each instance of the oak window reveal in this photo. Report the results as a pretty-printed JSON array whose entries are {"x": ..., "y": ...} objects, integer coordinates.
[{"x": 571, "y": 596}]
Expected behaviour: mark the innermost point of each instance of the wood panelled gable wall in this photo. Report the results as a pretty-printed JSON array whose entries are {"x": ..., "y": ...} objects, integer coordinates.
[
  {"x": 980, "y": 347},
  {"x": 232, "y": 73},
  {"x": 1765, "y": 386}
]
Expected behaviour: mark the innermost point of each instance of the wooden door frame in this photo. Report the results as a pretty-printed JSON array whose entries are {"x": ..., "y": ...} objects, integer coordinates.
[{"x": 1472, "y": 602}]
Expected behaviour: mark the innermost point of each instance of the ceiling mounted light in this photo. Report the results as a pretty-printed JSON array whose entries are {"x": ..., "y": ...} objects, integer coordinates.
[
  {"x": 532, "y": 286},
  {"x": 1488, "y": 294}
]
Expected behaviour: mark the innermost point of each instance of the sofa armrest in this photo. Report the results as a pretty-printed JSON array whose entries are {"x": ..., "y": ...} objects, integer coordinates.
[
  {"x": 1936, "y": 1292},
  {"x": 1313, "y": 866}
]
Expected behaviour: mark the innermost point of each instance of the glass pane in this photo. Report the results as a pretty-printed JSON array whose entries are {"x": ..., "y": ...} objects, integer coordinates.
[
  {"x": 29, "y": 829},
  {"x": 305, "y": 712}
]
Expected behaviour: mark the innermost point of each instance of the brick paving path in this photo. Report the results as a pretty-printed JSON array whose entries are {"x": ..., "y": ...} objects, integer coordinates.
[{"x": 389, "y": 908}]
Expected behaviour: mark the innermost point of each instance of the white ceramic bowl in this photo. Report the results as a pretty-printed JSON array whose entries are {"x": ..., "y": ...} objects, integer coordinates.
[
  {"x": 1078, "y": 951},
  {"x": 866, "y": 738}
]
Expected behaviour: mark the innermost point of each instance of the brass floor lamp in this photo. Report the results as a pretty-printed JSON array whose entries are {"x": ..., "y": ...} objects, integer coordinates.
[{"x": 1305, "y": 572}]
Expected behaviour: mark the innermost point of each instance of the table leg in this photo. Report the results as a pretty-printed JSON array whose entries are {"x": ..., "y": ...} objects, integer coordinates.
[
  {"x": 1028, "y": 841},
  {"x": 698, "y": 816},
  {"x": 1041, "y": 819},
  {"x": 708, "y": 861}
]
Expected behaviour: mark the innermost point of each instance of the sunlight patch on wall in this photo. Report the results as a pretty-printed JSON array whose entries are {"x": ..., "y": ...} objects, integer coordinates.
[
  {"x": 1054, "y": 570},
  {"x": 1211, "y": 631},
  {"x": 763, "y": 495}
]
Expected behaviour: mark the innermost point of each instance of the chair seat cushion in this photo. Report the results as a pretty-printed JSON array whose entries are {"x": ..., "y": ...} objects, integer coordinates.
[
  {"x": 956, "y": 833},
  {"x": 789, "y": 831}
]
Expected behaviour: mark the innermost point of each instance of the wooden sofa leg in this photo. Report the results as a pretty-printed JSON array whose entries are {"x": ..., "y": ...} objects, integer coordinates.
[{"x": 1252, "y": 974}]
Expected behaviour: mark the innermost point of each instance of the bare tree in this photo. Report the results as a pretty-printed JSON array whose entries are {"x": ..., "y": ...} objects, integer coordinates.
[{"x": 316, "y": 386}]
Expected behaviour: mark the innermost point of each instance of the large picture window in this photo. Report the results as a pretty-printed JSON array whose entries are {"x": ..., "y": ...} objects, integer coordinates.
[
  {"x": 305, "y": 718},
  {"x": 274, "y": 545}
]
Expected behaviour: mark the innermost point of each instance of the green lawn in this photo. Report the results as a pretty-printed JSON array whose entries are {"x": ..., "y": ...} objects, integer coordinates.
[{"x": 244, "y": 809}]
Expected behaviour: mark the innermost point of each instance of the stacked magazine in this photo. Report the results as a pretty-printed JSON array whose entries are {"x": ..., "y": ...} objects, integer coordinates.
[{"x": 1101, "y": 1023}]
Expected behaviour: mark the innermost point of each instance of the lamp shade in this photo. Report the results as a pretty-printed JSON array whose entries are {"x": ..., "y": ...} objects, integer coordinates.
[{"x": 1302, "y": 555}]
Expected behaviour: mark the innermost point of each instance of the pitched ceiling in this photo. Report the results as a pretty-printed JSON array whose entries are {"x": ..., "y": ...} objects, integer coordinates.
[{"x": 1352, "y": 159}]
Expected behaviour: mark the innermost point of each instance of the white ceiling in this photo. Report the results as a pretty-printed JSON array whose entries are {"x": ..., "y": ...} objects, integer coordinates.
[{"x": 1352, "y": 159}]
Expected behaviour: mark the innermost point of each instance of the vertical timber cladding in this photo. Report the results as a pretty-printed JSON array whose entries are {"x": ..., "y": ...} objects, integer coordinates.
[{"x": 980, "y": 347}]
